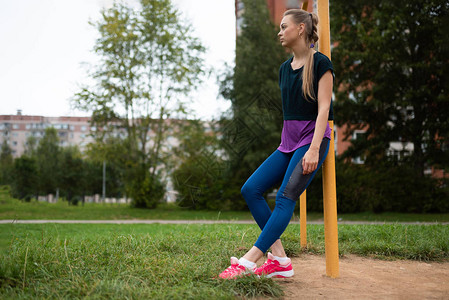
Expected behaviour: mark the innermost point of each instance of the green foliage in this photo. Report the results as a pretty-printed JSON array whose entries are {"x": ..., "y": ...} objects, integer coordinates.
[
  {"x": 252, "y": 127},
  {"x": 146, "y": 191},
  {"x": 198, "y": 188},
  {"x": 5, "y": 192},
  {"x": 50, "y": 167},
  {"x": 48, "y": 156},
  {"x": 392, "y": 78},
  {"x": 199, "y": 175},
  {"x": 31, "y": 146},
  {"x": 72, "y": 180},
  {"x": 113, "y": 151},
  {"x": 385, "y": 187},
  {"x": 148, "y": 57},
  {"x": 25, "y": 177},
  {"x": 6, "y": 163}
]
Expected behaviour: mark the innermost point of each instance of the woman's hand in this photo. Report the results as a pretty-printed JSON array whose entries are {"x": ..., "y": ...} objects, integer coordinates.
[{"x": 310, "y": 161}]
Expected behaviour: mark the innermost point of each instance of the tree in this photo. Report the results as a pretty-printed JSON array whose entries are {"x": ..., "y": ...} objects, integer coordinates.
[
  {"x": 25, "y": 184},
  {"x": 252, "y": 128},
  {"x": 31, "y": 146},
  {"x": 391, "y": 61},
  {"x": 48, "y": 161},
  {"x": 111, "y": 151},
  {"x": 6, "y": 164},
  {"x": 148, "y": 57},
  {"x": 72, "y": 179},
  {"x": 198, "y": 169}
]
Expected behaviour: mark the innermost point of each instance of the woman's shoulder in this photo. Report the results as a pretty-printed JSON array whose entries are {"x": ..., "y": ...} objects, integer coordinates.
[
  {"x": 321, "y": 57},
  {"x": 322, "y": 64},
  {"x": 287, "y": 62}
]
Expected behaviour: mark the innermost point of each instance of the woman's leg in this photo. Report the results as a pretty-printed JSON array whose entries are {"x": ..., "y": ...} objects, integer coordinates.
[
  {"x": 293, "y": 185},
  {"x": 271, "y": 171}
]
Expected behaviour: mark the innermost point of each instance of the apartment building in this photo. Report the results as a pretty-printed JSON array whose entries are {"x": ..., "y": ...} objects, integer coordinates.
[{"x": 16, "y": 129}]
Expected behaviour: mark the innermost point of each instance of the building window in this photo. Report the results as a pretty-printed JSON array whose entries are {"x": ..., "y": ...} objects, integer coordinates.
[
  {"x": 292, "y": 4},
  {"x": 83, "y": 128},
  {"x": 358, "y": 134},
  {"x": 14, "y": 143},
  {"x": 15, "y": 126}
]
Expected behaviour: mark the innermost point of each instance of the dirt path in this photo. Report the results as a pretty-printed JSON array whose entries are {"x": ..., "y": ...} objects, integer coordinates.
[{"x": 365, "y": 278}]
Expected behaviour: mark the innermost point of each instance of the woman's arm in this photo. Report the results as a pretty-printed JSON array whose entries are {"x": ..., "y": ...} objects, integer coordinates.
[{"x": 310, "y": 160}]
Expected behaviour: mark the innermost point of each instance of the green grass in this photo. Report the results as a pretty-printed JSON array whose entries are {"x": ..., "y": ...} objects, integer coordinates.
[
  {"x": 15, "y": 209},
  {"x": 174, "y": 261},
  {"x": 394, "y": 217}
]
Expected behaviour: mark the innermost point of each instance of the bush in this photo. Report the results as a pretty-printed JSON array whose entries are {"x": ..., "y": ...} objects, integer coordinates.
[
  {"x": 208, "y": 185},
  {"x": 380, "y": 188},
  {"x": 147, "y": 193},
  {"x": 75, "y": 200},
  {"x": 5, "y": 190}
]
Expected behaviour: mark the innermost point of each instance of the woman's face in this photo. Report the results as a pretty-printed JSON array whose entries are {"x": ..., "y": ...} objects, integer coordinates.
[{"x": 290, "y": 32}]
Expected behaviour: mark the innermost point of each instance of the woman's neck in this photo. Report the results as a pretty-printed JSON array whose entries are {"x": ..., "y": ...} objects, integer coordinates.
[{"x": 300, "y": 52}]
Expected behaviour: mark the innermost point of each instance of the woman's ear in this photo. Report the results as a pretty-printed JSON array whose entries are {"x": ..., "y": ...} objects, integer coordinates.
[{"x": 301, "y": 28}]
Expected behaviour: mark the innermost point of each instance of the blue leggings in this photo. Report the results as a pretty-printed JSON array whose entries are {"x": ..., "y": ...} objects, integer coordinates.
[{"x": 278, "y": 166}]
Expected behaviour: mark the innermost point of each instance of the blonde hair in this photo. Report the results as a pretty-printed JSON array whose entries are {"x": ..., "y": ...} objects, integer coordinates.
[{"x": 310, "y": 20}]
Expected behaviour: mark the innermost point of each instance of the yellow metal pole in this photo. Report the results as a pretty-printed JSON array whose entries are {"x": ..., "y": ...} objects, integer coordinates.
[
  {"x": 303, "y": 197},
  {"x": 330, "y": 210},
  {"x": 303, "y": 219},
  {"x": 305, "y": 5},
  {"x": 329, "y": 181}
]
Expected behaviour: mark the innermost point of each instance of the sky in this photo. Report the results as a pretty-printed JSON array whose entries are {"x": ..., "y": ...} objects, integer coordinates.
[{"x": 43, "y": 44}]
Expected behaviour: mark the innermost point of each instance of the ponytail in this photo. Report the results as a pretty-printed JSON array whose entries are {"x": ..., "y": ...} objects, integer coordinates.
[{"x": 310, "y": 20}]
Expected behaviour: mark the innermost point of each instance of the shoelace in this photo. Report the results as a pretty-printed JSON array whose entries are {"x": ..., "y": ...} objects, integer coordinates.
[
  {"x": 268, "y": 264},
  {"x": 233, "y": 269}
]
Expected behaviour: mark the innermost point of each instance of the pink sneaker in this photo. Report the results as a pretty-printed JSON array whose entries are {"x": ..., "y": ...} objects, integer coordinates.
[
  {"x": 235, "y": 270},
  {"x": 272, "y": 268}
]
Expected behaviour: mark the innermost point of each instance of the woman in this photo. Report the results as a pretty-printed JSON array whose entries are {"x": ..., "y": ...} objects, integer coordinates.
[{"x": 305, "y": 81}]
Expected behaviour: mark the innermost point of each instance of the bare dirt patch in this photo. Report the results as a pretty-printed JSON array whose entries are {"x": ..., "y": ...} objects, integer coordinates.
[{"x": 366, "y": 278}]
